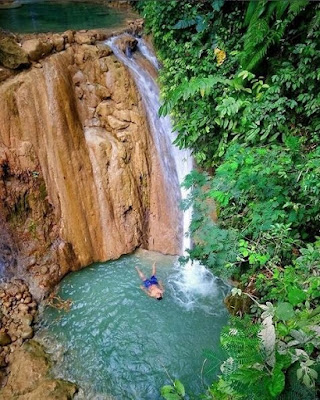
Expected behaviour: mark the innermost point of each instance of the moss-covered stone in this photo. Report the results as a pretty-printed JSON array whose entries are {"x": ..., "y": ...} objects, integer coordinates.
[
  {"x": 238, "y": 305},
  {"x": 11, "y": 54}
]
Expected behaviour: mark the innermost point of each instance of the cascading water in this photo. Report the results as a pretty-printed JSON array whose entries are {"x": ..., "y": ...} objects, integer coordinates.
[
  {"x": 193, "y": 279},
  {"x": 176, "y": 163}
]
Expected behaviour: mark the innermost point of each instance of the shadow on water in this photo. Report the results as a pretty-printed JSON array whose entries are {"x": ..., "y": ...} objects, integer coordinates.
[{"x": 116, "y": 341}]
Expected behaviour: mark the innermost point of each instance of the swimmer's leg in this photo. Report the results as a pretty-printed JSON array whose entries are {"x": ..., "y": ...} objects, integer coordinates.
[
  {"x": 154, "y": 269},
  {"x": 140, "y": 273}
]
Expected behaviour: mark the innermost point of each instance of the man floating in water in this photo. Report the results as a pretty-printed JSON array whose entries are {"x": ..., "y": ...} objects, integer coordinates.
[{"x": 152, "y": 287}]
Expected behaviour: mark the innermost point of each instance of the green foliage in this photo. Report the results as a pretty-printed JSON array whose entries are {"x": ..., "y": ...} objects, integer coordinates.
[
  {"x": 188, "y": 53},
  {"x": 232, "y": 103},
  {"x": 175, "y": 391},
  {"x": 247, "y": 109},
  {"x": 259, "y": 354},
  {"x": 246, "y": 373},
  {"x": 285, "y": 311},
  {"x": 266, "y": 24},
  {"x": 214, "y": 245},
  {"x": 295, "y": 389},
  {"x": 240, "y": 81},
  {"x": 266, "y": 202},
  {"x": 298, "y": 284},
  {"x": 262, "y": 196}
]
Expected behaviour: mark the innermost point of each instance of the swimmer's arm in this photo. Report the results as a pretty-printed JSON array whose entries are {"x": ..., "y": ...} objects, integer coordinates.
[{"x": 144, "y": 290}]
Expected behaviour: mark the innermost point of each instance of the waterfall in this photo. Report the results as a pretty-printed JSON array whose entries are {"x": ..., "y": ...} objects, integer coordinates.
[
  {"x": 176, "y": 163},
  {"x": 193, "y": 281}
]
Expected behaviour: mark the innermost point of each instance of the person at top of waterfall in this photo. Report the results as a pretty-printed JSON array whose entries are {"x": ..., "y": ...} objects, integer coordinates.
[{"x": 152, "y": 287}]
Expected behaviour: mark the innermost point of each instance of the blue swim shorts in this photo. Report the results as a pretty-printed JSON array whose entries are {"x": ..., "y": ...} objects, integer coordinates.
[{"x": 149, "y": 282}]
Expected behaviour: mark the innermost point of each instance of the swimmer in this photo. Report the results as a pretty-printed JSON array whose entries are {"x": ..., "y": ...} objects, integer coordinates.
[{"x": 152, "y": 287}]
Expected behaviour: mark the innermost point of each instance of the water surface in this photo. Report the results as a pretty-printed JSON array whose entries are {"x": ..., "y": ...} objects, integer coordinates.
[
  {"x": 59, "y": 16},
  {"x": 117, "y": 341}
]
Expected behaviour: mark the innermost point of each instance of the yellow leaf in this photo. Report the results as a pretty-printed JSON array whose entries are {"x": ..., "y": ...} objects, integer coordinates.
[{"x": 220, "y": 55}]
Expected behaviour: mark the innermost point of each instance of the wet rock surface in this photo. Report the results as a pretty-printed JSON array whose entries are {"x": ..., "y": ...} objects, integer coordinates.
[
  {"x": 79, "y": 182},
  {"x": 24, "y": 365},
  {"x": 18, "y": 52},
  {"x": 29, "y": 377},
  {"x": 127, "y": 43}
]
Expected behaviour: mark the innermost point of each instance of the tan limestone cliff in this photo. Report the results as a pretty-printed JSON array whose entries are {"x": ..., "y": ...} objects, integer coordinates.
[{"x": 76, "y": 168}]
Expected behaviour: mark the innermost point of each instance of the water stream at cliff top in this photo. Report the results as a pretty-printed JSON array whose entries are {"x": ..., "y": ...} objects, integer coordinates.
[{"x": 117, "y": 343}]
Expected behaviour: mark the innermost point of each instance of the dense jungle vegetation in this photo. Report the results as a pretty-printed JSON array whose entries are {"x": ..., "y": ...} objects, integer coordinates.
[{"x": 240, "y": 80}]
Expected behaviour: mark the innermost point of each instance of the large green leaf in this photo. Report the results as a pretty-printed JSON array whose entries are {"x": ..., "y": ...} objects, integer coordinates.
[
  {"x": 217, "y": 4},
  {"x": 296, "y": 295},
  {"x": 185, "y": 23},
  {"x": 179, "y": 387},
  {"x": 284, "y": 311},
  {"x": 201, "y": 24},
  {"x": 169, "y": 393},
  {"x": 166, "y": 389}
]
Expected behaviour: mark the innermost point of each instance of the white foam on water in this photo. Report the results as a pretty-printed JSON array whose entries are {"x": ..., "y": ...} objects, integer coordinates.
[
  {"x": 194, "y": 286},
  {"x": 147, "y": 53}
]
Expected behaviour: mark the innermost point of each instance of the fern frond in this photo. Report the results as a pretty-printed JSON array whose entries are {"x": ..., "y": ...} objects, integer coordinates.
[
  {"x": 315, "y": 23},
  {"x": 262, "y": 31},
  {"x": 272, "y": 6},
  {"x": 255, "y": 38},
  {"x": 281, "y": 8},
  {"x": 189, "y": 89},
  {"x": 260, "y": 9},
  {"x": 297, "y": 5},
  {"x": 185, "y": 23},
  {"x": 256, "y": 34},
  {"x": 250, "y": 12}
]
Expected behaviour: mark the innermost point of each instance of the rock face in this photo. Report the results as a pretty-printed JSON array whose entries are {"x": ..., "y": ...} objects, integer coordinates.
[
  {"x": 29, "y": 379},
  {"x": 17, "y": 312},
  {"x": 36, "y": 48},
  {"x": 76, "y": 161},
  {"x": 127, "y": 43}
]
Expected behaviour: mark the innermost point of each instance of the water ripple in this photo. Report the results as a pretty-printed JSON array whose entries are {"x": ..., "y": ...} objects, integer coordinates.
[{"x": 117, "y": 342}]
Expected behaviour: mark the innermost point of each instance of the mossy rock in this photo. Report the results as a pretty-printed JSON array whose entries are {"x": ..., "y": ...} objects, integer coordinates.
[
  {"x": 11, "y": 54},
  {"x": 238, "y": 305}
]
